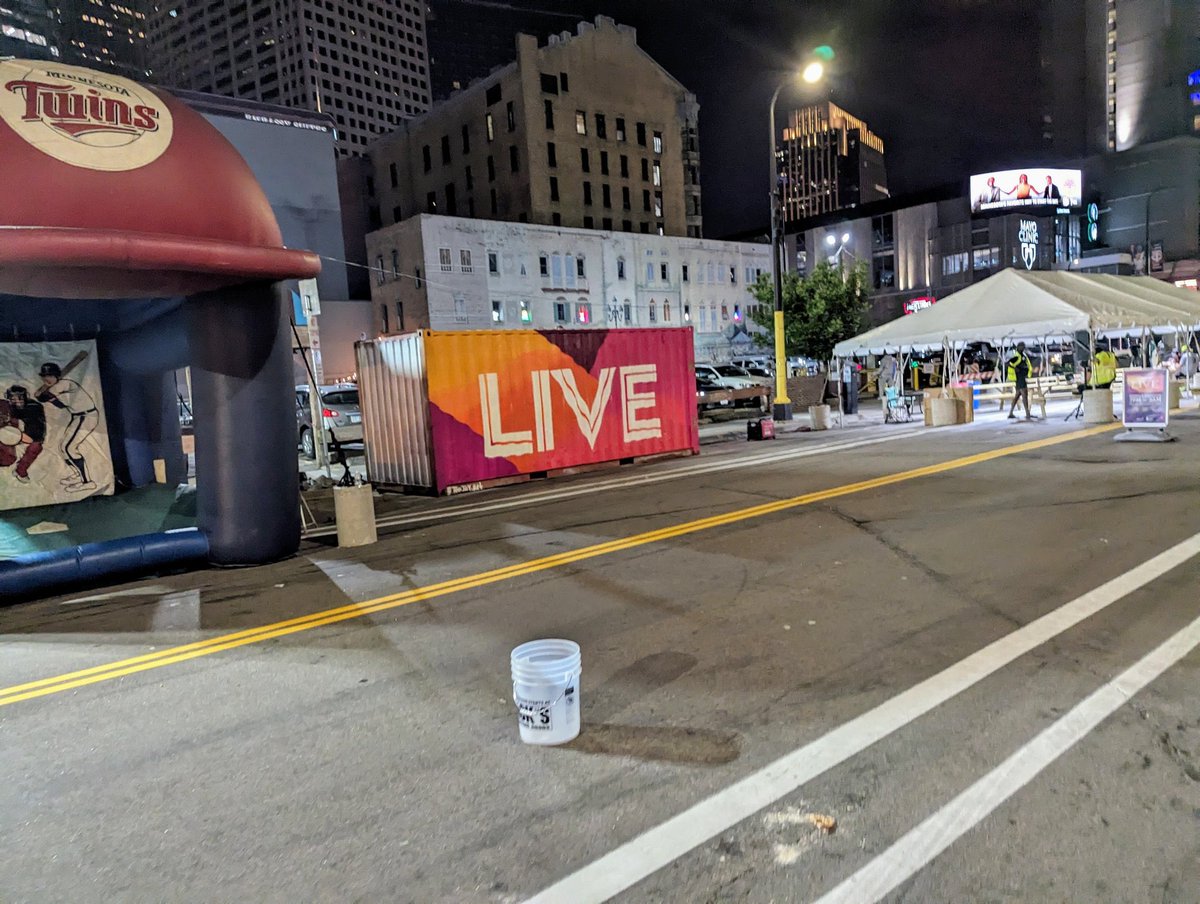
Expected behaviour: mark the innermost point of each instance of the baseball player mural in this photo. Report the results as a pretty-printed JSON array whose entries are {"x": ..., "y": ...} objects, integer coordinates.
[{"x": 53, "y": 445}]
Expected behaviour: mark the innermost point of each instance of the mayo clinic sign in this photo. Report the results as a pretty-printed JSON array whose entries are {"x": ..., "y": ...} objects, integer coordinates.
[{"x": 1027, "y": 238}]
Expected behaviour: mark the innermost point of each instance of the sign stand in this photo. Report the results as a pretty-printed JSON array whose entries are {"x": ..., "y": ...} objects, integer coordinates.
[{"x": 1145, "y": 410}]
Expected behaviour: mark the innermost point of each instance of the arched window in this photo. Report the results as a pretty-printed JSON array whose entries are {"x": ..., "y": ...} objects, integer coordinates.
[{"x": 653, "y": 311}]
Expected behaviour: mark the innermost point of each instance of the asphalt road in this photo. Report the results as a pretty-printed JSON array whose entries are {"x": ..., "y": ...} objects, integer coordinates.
[{"x": 376, "y": 757}]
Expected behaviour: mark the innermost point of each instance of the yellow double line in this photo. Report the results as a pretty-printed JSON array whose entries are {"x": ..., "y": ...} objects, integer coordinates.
[{"x": 170, "y": 656}]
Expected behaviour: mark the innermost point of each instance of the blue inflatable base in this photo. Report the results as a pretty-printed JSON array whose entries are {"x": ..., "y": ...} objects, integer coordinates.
[{"x": 39, "y": 573}]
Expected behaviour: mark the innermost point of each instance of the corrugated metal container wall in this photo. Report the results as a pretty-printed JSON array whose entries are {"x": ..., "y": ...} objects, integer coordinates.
[
  {"x": 395, "y": 407},
  {"x": 505, "y": 403}
]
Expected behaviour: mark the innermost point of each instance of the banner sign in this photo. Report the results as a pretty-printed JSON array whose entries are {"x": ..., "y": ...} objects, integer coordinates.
[
  {"x": 522, "y": 402},
  {"x": 1146, "y": 398},
  {"x": 53, "y": 434}
]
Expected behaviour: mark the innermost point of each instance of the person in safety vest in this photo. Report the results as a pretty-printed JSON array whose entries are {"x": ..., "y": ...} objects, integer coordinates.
[
  {"x": 1019, "y": 367},
  {"x": 1104, "y": 369}
]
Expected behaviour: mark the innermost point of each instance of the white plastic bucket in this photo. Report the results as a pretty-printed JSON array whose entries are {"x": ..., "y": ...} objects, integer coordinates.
[{"x": 545, "y": 677}]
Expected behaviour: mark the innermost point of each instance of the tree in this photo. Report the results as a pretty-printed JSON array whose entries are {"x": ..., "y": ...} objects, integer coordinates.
[{"x": 819, "y": 310}]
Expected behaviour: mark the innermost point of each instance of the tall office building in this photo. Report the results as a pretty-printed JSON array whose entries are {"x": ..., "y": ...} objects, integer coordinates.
[
  {"x": 469, "y": 38},
  {"x": 362, "y": 62},
  {"x": 554, "y": 138},
  {"x": 1148, "y": 67},
  {"x": 104, "y": 34},
  {"x": 829, "y": 160},
  {"x": 28, "y": 29}
]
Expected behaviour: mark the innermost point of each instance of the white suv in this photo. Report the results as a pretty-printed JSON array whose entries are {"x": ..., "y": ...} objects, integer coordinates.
[{"x": 728, "y": 376}]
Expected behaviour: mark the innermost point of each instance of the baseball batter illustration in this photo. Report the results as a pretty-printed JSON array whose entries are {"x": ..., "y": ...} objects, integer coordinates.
[
  {"x": 83, "y": 418},
  {"x": 22, "y": 422}
]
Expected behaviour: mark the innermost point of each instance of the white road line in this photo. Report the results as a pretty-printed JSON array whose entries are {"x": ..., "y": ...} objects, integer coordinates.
[
  {"x": 555, "y": 495},
  {"x": 916, "y": 849},
  {"x": 659, "y": 846}
]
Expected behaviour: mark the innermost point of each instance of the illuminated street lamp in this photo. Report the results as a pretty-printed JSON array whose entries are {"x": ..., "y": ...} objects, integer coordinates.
[{"x": 812, "y": 72}]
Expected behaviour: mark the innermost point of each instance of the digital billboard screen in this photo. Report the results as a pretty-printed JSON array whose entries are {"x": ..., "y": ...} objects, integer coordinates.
[{"x": 1020, "y": 189}]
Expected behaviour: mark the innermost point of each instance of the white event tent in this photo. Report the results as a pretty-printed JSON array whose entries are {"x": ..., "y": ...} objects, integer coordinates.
[{"x": 1038, "y": 306}]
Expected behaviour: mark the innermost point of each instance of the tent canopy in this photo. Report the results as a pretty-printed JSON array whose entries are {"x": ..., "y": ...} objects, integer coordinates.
[{"x": 1018, "y": 305}]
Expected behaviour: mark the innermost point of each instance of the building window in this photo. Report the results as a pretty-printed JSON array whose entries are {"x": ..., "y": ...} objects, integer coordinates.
[
  {"x": 562, "y": 82},
  {"x": 493, "y": 263},
  {"x": 687, "y": 313},
  {"x": 684, "y": 270},
  {"x": 497, "y": 312},
  {"x": 464, "y": 260},
  {"x": 645, "y": 228},
  {"x": 549, "y": 115},
  {"x": 493, "y": 95},
  {"x": 580, "y": 269},
  {"x": 606, "y": 195},
  {"x": 658, "y": 174},
  {"x": 491, "y": 163},
  {"x": 549, "y": 83},
  {"x": 514, "y": 159},
  {"x": 601, "y": 126},
  {"x": 444, "y": 260},
  {"x": 737, "y": 313},
  {"x": 544, "y": 265},
  {"x": 884, "y": 271},
  {"x": 664, "y": 273},
  {"x": 495, "y": 203},
  {"x": 394, "y": 173},
  {"x": 620, "y": 129},
  {"x": 883, "y": 232},
  {"x": 417, "y": 274},
  {"x": 560, "y": 311},
  {"x": 431, "y": 202},
  {"x": 400, "y": 315},
  {"x": 628, "y": 312},
  {"x": 395, "y": 264},
  {"x": 653, "y": 311},
  {"x": 658, "y": 143},
  {"x": 620, "y": 268},
  {"x": 583, "y": 312},
  {"x": 649, "y": 273},
  {"x": 489, "y": 126},
  {"x": 587, "y": 192},
  {"x": 380, "y": 273},
  {"x": 645, "y": 170},
  {"x": 624, "y": 167},
  {"x": 466, "y": 140},
  {"x": 733, "y": 276},
  {"x": 625, "y": 197},
  {"x": 554, "y": 188},
  {"x": 641, "y": 134},
  {"x": 551, "y": 154},
  {"x": 666, "y": 312},
  {"x": 585, "y": 160},
  {"x": 451, "y": 201},
  {"x": 604, "y": 163},
  {"x": 589, "y": 222},
  {"x": 646, "y": 200},
  {"x": 526, "y": 314},
  {"x": 427, "y": 158},
  {"x": 445, "y": 149},
  {"x": 383, "y": 310},
  {"x": 580, "y": 122},
  {"x": 556, "y": 219},
  {"x": 627, "y": 225},
  {"x": 724, "y": 312},
  {"x": 510, "y": 113}
]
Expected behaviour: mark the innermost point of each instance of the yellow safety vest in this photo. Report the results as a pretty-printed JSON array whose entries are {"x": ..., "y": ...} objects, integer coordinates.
[
  {"x": 1014, "y": 362},
  {"x": 1105, "y": 369}
]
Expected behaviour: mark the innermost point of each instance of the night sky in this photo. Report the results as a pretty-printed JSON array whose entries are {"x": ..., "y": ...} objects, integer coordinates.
[{"x": 949, "y": 85}]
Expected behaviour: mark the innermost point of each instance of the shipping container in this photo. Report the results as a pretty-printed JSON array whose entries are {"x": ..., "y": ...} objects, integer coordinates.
[{"x": 447, "y": 411}]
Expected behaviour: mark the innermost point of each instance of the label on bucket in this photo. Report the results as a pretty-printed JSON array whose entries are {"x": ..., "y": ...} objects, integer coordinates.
[{"x": 535, "y": 714}]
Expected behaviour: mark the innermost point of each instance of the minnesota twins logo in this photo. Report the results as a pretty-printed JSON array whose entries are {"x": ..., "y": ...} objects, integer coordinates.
[{"x": 84, "y": 118}]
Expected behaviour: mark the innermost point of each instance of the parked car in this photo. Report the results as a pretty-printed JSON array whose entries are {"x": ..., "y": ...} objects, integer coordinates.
[
  {"x": 729, "y": 376},
  {"x": 340, "y": 414},
  {"x": 705, "y": 386},
  {"x": 752, "y": 362}
]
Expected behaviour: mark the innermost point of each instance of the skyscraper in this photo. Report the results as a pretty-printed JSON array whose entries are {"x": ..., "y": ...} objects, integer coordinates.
[
  {"x": 362, "y": 62},
  {"x": 108, "y": 35},
  {"x": 28, "y": 29},
  {"x": 829, "y": 160}
]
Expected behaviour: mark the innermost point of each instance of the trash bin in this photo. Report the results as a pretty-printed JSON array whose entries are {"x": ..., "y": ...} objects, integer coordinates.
[
  {"x": 354, "y": 510},
  {"x": 760, "y": 428}
]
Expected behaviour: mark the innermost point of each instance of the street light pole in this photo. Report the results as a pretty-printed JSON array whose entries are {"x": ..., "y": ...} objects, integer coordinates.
[{"x": 783, "y": 405}]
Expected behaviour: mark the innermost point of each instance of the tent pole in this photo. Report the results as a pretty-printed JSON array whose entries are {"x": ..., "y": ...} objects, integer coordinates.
[{"x": 1092, "y": 352}]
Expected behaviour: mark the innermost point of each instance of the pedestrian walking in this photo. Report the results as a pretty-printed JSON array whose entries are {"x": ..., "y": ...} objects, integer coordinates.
[{"x": 1019, "y": 369}]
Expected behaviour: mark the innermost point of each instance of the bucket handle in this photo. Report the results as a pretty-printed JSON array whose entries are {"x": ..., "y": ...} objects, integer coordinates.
[{"x": 571, "y": 682}]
